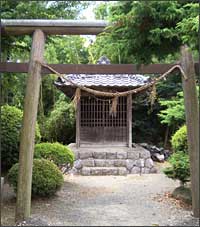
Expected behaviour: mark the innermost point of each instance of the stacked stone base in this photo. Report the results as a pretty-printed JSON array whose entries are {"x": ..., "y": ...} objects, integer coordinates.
[{"x": 112, "y": 161}]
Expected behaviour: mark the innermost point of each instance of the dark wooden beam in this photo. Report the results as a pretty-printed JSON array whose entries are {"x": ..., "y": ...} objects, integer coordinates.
[
  {"x": 52, "y": 27},
  {"x": 92, "y": 69}
]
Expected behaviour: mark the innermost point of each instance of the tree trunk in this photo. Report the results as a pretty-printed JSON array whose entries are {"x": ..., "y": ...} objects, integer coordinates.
[
  {"x": 27, "y": 139},
  {"x": 192, "y": 123},
  {"x": 166, "y": 136}
]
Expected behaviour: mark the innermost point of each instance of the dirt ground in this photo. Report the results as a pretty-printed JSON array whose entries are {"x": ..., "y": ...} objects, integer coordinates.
[{"x": 131, "y": 200}]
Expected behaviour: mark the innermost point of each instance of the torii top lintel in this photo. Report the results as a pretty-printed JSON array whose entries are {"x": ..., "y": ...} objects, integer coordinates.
[{"x": 52, "y": 27}]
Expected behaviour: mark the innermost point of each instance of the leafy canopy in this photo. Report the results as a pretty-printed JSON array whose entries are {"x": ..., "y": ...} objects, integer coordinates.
[{"x": 146, "y": 31}]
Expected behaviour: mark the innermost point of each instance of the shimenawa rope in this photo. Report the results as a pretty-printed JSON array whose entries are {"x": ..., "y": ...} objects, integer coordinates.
[{"x": 115, "y": 95}]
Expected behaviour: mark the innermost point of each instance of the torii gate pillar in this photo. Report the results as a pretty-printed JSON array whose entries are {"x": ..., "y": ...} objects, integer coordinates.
[
  {"x": 27, "y": 140},
  {"x": 192, "y": 123}
]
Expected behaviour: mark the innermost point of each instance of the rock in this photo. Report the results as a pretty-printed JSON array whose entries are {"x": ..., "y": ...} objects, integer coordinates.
[
  {"x": 153, "y": 170},
  {"x": 97, "y": 172},
  {"x": 145, "y": 153},
  {"x": 135, "y": 170},
  {"x": 145, "y": 145},
  {"x": 88, "y": 162},
  {"x": 146, "y": 170},
  {"x": 85, "y": 155},
  {"x": 74, "y": 171},
  {"x": 78, "y": 164},
  {"x": 122, "y": 171},
  {"x": 85, "y": 171},
  {"x": 99, "y": 155},
  {"x": 159, "y": 157},
  {"x": 119, "y": 163},
  {"x": 149, "y": 163},
  {"x": 104, "y": 162},
  {"x": 100, "y": 162},
  {"x": 121, "y": 155},
  {"x": 130, "y": 163},
  {"x": 166, "y": 154},
  {"x": 110, "y": 171},
  {"x": 140, "y": 163},
  {"x": 111, "y": 155},
  {"x": 76, "y": 154},
  {"x": 133, "y": 155},
  {"x": 134, "y": 145}
]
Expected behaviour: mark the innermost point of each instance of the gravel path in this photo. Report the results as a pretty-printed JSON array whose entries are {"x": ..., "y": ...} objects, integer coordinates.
[{"x": 131, "y": 200}]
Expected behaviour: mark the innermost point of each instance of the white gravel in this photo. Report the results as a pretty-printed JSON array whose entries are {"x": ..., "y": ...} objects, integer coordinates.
[{"x": 111, "y": 201}]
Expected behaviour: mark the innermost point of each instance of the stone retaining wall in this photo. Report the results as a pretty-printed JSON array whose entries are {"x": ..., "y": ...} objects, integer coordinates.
[{"x": 112, "y": 161}]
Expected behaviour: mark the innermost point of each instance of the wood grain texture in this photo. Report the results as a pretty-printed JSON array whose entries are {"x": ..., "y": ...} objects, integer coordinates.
[
  {"x": 27, "y": 139},
  {"x": 93, "y": 69},
  {"x": 52, "y": 27},
  {"x": 78, "y": 125},
  {"x": 129, "y": 120},
  {"x": 192, "y": 122}
]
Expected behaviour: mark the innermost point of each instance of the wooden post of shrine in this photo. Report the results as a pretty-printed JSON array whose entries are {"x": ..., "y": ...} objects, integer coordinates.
[
  {"x": 129, "y": 120},
  {"x": 192, "y": 123},
  {"x": 78, "y": 109},
  {"x": 27, "y": 140}
]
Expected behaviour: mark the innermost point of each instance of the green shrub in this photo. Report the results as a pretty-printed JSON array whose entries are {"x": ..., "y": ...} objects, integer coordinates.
[
  {"x": 46, "y": 180},
  {"x": 179, "y": 140},
  {"x": 180, "y": 167},
  {"x": 11, "y": 122},
  {"x": 60, "y": 125},
  {"x": 55, "y": 152}
]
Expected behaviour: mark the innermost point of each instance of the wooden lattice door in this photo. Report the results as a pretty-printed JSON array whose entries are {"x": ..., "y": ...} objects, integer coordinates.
[{"x": 97, "y": 125}]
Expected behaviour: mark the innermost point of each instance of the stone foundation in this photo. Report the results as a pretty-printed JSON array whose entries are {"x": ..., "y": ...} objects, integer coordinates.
[{"x": 112, "y": 160}]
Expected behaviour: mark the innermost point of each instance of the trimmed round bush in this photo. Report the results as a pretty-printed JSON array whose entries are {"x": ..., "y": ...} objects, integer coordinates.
[
  {"x": 46, "y": 178},
  {"x": 55, "y": 152},
  {"x": 179, "y": 140},
  {"x": 11, "y": 122},
  {"x": 180, "y": 167}
]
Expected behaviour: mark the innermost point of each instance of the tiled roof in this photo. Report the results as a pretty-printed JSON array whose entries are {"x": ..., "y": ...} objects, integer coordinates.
[{"x": 116, "y": 80}]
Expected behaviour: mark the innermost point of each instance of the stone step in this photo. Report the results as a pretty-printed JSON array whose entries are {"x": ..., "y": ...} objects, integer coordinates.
[
  {"x": 101, "y": 171},
  {"x": 134, "y": 155},
  {"x": 90, "y": 162}
]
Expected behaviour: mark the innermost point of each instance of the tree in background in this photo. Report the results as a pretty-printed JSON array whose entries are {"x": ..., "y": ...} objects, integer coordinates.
[
  {"x": 65, "y": 49},
  {"x": 148, "y": 32}
]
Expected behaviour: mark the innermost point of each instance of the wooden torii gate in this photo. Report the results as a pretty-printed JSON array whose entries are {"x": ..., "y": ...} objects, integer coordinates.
[{"x": 39, "y": 29}]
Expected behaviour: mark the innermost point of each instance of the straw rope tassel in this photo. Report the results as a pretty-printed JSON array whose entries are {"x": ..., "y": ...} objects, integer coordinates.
[
  {"x": 113, "y": 109},
  {"x": 77, "y": 97},
  {"x": 152, "y": 96}
]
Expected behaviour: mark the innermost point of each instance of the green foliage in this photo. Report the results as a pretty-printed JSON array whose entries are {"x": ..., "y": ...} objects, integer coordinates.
[
  {"x": 159, "y": 28},
  {"x": 55, "y": 152},
  {"x": 11, "y": 122},
  {"x": 66, "y": 50},
  {"x": 46, "y": 178},
  {"x": 58, "y": 49},
  {"x": 13, "y": 89},
  {"x": 180, "y": 168},
  {"x": 60, "y": 125},
  {"x": 179, "y": 140},
  {"x": 174, "y": 114},
  {"x": 102, "y": 11},
  {"x": 35, "y": 10}
]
